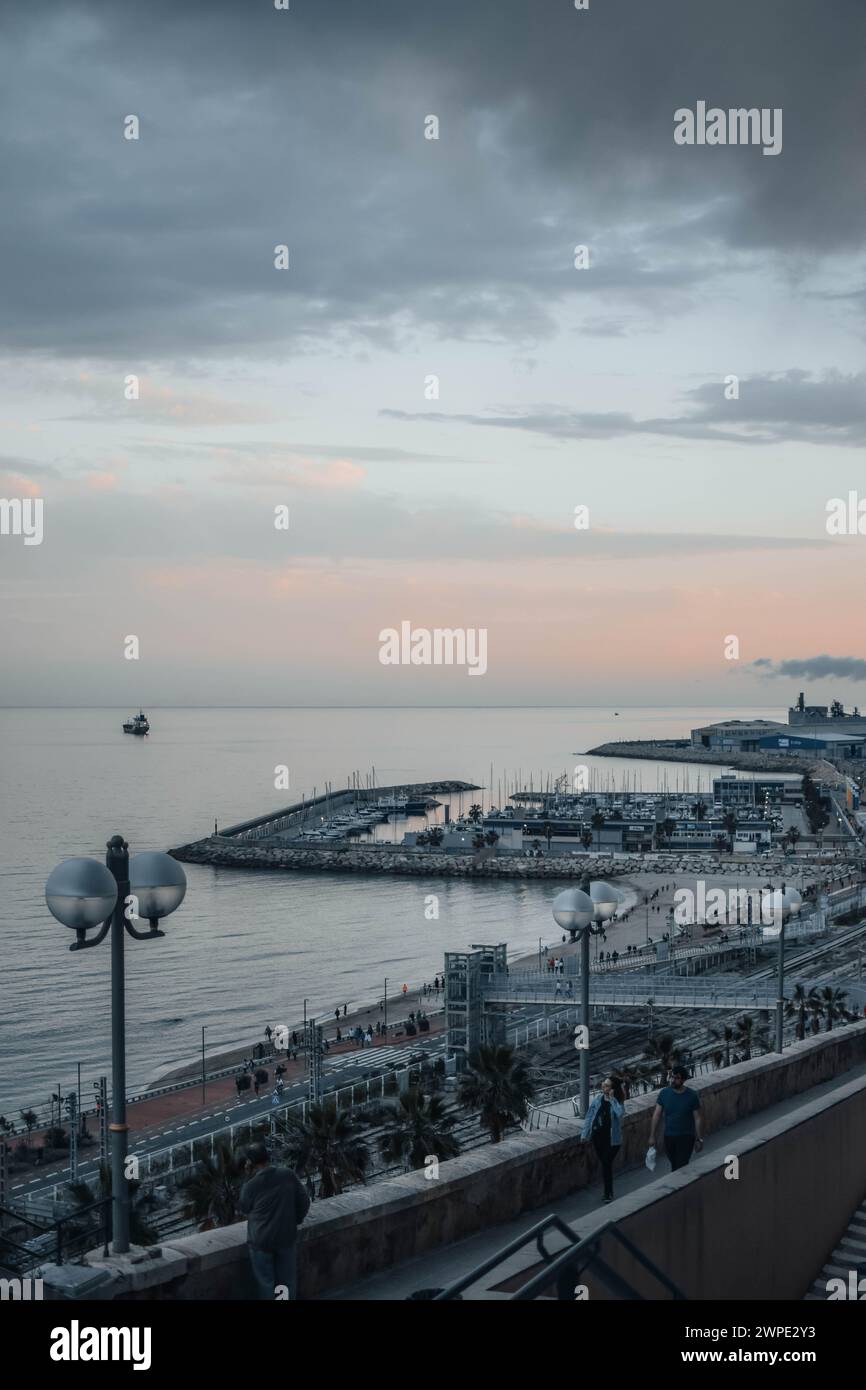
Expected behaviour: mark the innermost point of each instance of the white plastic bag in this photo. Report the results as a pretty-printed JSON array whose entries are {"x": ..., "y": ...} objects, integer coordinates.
[{"x": 651, "y": 1157}]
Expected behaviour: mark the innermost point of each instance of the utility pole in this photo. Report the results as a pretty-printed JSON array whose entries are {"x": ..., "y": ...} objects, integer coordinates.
[
  {"x": 780, "y": 1002},
  {"x": 72, "y": 1112},
  {"x": 313, "y": 1049},
  {"x": 101, "y": 1089}
]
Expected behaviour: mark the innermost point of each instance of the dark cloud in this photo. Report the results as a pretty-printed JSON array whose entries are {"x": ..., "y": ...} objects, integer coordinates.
[
  {"x": 850, "y": 668},
  {"x": 786, "y": 407},
  {"x": 305, "y": 127}
]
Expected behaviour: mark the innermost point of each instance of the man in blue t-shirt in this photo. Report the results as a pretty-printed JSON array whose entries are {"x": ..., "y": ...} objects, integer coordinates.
[{"x": 681, "y": 1108}]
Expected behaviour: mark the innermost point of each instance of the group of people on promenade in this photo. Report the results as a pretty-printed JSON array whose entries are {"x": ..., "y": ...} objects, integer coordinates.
[{"x": 678, "y": 1108}]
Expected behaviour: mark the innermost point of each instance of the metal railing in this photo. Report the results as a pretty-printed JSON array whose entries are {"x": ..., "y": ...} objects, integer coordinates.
[
  {"x": 69, "y": 1235},
  {"x": 564, "y": 1268}
]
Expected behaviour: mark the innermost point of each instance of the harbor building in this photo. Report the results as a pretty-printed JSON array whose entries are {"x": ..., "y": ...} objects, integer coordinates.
[
  {"x": 730, "y": 791},
  {"x": 765, "y": 736}
]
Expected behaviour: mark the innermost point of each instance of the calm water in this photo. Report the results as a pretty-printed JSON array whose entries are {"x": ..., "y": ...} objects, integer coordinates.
[{"x": 246, "y": 949}]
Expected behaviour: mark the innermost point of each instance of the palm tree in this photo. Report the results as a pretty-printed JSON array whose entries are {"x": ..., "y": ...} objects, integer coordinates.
[
  {"x": 744, "y": 1037},
  {"x": 663, "y": 1052},
  {"x": 435, "y": 835},
  {"x": 795, "y": 1007},
  {"x": 721, "y": 842},
  {"x": 327, "y": 1143},
  {"x": 730, "y": 823},
  {"x": 726, "y": 1036},
  {"x": 491, "y": 838},
  {"x": 478, "y": 842},
  {"x": 547, "y": 832},
  {"x": 140, "y": 1232},
  {"x": 664, "y": 831},
  {"x": 212, "y": 1192},
  {"x": 30, "y": 1120},
  {"x": 628, "y": 1078},
  {"x": 475, "y": 813},
  {"x": 700, "y": 809},
  {"x": 586, "y": 838},
  {"x": 597, "y": 822},
  {"x": 815, "y": 1005},
  {"x": 793, "y": 836},
  {"x": 833, "y": 1001},
  {"x": 418, "y": 1127},
  {"x": 498, "y": 1087}
]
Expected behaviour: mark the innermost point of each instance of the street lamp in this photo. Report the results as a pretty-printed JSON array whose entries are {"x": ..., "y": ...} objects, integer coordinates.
[
  {"x": 784, "y": 902},
  {"x": 581, "y": 911},
  {"x": 83, "y": 894}
]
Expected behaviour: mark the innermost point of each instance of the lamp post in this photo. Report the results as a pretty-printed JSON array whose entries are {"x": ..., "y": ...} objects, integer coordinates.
[
  {"x": 82, "y": 894},
  {"x": 785, "y": 900},
  {"x": 582, "y": 911},
  {"x": 203, "y": 1076},
  {"x": 385, "y": 1002}
]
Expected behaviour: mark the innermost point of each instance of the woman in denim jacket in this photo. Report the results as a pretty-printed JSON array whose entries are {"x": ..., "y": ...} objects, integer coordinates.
[{"x": 603, "y": 1126}]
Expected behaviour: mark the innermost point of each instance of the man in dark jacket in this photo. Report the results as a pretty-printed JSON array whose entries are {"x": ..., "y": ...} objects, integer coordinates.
[{"x": 275, "y": 1203}]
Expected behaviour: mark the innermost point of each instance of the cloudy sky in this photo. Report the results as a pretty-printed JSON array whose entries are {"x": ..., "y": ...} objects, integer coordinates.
[{"x": 412, "y": 258}]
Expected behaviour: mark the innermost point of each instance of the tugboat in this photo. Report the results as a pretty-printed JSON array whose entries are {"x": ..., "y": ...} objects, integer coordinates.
[{"x": 137, "y": 725}]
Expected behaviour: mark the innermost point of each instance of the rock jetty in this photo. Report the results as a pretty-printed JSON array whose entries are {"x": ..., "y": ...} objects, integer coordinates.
[{"x": 222, "y": 852}]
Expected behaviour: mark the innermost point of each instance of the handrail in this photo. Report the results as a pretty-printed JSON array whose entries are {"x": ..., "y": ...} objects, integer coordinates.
[
  {"x": 561, "y": 1266},
  {"x": 536, "y": 1233},
  {"x": 565, "y": 1261}
]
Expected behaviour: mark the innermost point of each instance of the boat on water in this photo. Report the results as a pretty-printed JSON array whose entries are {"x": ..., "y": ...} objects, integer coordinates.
[{"x": 137, "y": 725}]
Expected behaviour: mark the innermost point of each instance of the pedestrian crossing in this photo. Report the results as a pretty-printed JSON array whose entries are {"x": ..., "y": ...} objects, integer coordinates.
[{"x": 374, "y": 1057}]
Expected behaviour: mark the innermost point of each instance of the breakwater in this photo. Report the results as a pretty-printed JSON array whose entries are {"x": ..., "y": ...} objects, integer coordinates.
[
  {"x": 293, "y": 818},
  {"x": 426, "y": 863},
  {"x": 384, "y": 859},
  {"x": 681, "y": 751}
]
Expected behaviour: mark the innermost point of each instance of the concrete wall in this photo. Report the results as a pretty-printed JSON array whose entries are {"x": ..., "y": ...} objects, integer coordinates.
[
  {"x": 762, "y": 1235},
  {"x": 367, "y": 1230}
]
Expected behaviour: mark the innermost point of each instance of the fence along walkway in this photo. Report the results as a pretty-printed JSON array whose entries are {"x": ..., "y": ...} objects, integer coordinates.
[{"x": 635, "y": 989}]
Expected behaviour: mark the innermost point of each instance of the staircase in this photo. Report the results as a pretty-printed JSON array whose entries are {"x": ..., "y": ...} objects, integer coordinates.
[{"x": 849, "y": 1253}]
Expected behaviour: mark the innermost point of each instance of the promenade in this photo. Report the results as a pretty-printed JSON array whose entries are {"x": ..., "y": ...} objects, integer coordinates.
[{"x": 440, "y": 1267}]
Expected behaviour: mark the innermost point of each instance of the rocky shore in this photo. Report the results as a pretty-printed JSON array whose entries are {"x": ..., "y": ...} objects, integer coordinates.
[
  {"x": 678, "y": 751},
  {"x": 226, "y": 853}
]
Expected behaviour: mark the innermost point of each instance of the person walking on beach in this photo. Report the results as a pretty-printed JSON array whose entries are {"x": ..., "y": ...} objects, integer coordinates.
[
  {"x": 603, "y": 1125},
  {"x": 681, "y": 1108},
  {"x": 275, "y": 1203}
]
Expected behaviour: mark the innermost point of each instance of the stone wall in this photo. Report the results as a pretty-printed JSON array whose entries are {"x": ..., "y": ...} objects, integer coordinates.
[
  {"x": 423, "y": 863},
  {"x": 367, "y": 1230},
  {"x": 763, "y": 1234}
]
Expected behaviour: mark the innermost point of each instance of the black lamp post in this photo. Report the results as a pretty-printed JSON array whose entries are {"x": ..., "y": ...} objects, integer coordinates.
[
  {"x": 582, "y": 912},
  {"x": 82, "y": 893}
]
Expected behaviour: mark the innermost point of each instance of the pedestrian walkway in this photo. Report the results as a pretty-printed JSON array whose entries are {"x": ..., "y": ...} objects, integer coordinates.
[{"x": 438, "y": 1268}]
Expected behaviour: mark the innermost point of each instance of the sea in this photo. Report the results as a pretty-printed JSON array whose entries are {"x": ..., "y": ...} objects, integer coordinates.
[{"x": 247, "y": 949}]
